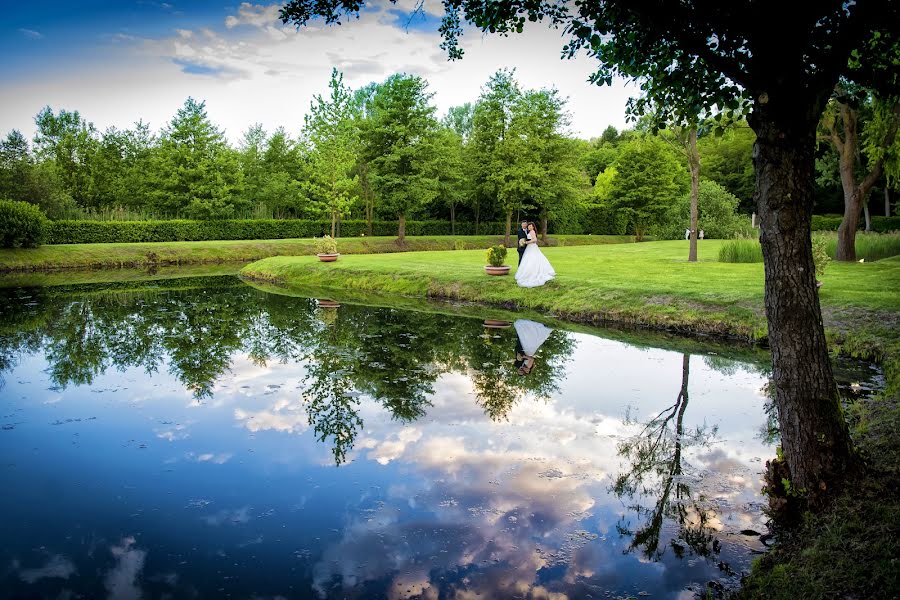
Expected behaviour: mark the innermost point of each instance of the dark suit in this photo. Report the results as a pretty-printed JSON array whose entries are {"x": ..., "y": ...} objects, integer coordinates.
[{"x": 523, "y": 235}]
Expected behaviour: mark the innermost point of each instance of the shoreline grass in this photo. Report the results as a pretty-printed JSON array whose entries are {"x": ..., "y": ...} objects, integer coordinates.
[
  {"x": 159, "y": 254},
  {"x": 649, "y": 285}
]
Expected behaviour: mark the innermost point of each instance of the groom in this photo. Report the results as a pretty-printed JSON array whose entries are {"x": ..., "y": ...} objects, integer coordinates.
[{"x": 523, "y": 235}]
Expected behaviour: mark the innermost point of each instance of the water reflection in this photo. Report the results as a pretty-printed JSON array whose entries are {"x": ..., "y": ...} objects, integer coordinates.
[{"x": 193, "y": 429}]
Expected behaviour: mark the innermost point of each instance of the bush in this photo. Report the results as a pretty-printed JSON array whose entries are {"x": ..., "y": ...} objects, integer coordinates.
[
  {"x": 717, "y": 215},
  {"x": 820, "y": 253},
  {"x": 496, "y": 256},
  {"x": 86, "y": 232},
  {"x": 325, "y": 245},
  {"x": 741, "y": 251},
  {"x": 832, "y": 222},
  {"x": 21, "y": 224}
]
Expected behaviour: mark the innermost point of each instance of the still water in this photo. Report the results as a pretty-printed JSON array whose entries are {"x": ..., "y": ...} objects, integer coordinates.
[{"x": 199, "y": 438}]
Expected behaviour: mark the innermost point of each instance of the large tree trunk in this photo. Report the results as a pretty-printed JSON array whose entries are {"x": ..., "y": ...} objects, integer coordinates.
[
  {"x": 508, "y": 228},
  {"x": 814, "y": 434},
  {"x": 401, "y": 231},
  {"x": 856, "y": 193},
  {"x": 865, "y": 206},
  {"x": 694, "y": 162}
]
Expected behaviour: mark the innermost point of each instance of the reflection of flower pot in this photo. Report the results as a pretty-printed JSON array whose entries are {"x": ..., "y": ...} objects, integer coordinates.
[
  {"x": 494, "y": 324},
  {"x": 328, "y": 257},
  {"x": 502, "y": 270},
  {"x": 323, "y": 303}
]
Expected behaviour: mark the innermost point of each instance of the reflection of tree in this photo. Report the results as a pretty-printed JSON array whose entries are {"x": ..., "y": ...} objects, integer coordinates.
[
  {"x": 331, "y": 404},
  {"x": 655, "y": 458},
  {"x": 198, "y": 325}
]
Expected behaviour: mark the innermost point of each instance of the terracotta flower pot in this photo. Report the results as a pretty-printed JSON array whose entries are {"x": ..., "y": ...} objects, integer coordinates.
[
  {"x": 324, "y": 303},
  {"x": 502, "y": 270},
  {"x": 328, "y": 257}
]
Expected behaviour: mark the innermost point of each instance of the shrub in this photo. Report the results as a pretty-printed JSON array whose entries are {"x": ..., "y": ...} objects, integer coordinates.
[
  {"x": 21, "y": 224},
  {"x": 820, "y": 253},
  {"x": 832, "y": 222},
  {"x": 717, "y": 214},
  {"x": 741, "y": 251},
  {"x": 325, "y": 245},
  {"x": 496, "y": 255},
  {"x": 86, "y": 232}
]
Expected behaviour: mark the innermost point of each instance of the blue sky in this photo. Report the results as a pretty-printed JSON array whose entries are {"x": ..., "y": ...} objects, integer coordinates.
[{"x": 117, "y": 62}]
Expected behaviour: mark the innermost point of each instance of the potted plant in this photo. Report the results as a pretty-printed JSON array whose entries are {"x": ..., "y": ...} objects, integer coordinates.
[
  {"x": 326, "y": 249},
  {"x": 496, "y": 256}
]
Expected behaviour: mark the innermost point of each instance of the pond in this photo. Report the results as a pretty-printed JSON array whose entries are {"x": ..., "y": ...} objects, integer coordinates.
[{"x": 198, "y": 437}]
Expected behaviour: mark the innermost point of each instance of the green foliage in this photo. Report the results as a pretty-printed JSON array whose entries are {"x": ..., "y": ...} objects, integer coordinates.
[
  {"x": 496, "y": 255},
  {"x": 88, "y": 232},
  {"x": 741, "y": 251},
  {"x": 727, "y": 160},
  {"x": 718, "y": 216},
  {"x": 398, "y": 145},
  {"x": 325, "y": 245},
  {"x": 648, "y": 179},
  {"x": 22, "y": 224},
  {"x": 820, "y": 254},
  {"x": 832, "y": 222},
  {"x": 196, "y": 174},
  {"x": 331, "y": 132}
]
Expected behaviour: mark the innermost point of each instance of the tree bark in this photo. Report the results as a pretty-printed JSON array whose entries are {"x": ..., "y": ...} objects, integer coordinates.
[
  {"x": 887, "y": 201},
  {"x": 814, "y": 434},
  {"x": 508, "y": 227},
  {"x": 401, "y": 232},
  {"x": 544, "y": 223},
  {"x": 694, "y": 162},
  {"x": 333, "y": 224},
  {"x": 856, "y": 193},
  {"x": 452, "y": 218}
]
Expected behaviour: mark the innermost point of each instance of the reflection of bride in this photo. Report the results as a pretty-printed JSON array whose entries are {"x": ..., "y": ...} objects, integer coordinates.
[
  {"x": 534, "y": 269},
  {"x": 530, "y": 337}
]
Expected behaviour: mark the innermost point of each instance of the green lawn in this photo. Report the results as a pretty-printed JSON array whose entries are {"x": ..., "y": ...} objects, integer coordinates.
[
  {"x": 649, "y": 284},
  {"x": 81, "y": 256}
]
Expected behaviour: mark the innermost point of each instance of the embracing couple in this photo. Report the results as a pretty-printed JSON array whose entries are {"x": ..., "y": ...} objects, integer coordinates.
[{"x": 534, "y": 268}]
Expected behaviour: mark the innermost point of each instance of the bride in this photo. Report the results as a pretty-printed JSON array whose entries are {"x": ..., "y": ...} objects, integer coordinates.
[{"x": 535, "y": 269}]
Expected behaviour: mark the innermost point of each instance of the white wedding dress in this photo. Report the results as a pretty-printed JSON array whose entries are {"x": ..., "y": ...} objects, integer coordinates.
[
  {"x": 531, "y": 335},
  {"x": 535, "y": 269}
]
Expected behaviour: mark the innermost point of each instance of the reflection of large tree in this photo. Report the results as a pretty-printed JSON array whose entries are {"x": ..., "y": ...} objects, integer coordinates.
[
  {"x": 655, "y": 470},
  {"x": 198, "y": 325}
]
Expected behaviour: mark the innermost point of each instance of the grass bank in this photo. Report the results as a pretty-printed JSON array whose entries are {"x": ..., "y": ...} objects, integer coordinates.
[
  {"x": 649, "y": 284},
  {"x": 156, "y": 254},
  {"x": 850, "y": 551}
]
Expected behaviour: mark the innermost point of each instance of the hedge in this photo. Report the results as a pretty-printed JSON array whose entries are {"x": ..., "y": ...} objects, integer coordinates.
[
  {"x": 21, "y": 224},
  {"x": 87, "y": 232},
  {"x": 832, "y": 222}
]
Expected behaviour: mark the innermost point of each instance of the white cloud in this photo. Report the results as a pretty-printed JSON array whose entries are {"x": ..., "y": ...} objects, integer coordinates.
[
  {"x": 121, "y": 580},
  {"x": 57, "y": 567},
  {"x": 31, "y": 34},
  {"x": 257, "y": 15},
  {"x": 262, "y": 71}
]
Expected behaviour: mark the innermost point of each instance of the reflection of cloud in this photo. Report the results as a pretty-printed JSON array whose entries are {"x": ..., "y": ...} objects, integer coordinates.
[
  {"x": 57, "y": 567},
  {"x": 121, "y": 581},
  {"x": 390, "y": 449},
  {"x": 31, "y": 34},
  {"x": 173, "y": 432},
  {"x": 283, "y": 415},
  {"x": 219, "y": 459},
  {"x": 229, "y": 517}
]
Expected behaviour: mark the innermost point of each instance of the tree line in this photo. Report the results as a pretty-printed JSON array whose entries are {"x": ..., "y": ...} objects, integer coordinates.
[{"x": 377, "y": 152}]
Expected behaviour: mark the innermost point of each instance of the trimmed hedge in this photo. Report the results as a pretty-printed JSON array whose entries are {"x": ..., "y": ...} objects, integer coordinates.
[
  {"x": 21, "y": 224},
  {"x": 832, "y": 222},
  {"x": 92, "y": 232}
]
